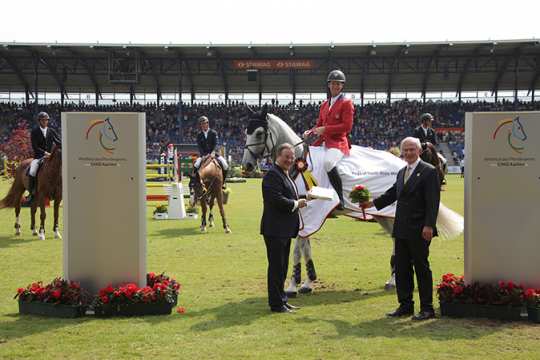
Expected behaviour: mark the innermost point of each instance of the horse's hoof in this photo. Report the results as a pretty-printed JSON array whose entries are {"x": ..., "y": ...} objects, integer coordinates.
[
  {"x": 203, "y": 229},
  {"x": 57, "y": 235},
  {"x": 389, "y": 287},
  {"x": 291, "y": 294},
  {"x": 228, "y": 231},
  {"x": 211, "y": 225},
  {"x": 41, "y": 236},
  {"x": 17, "y": 233},
  {"x": 305, "y": 290},
  {"x": 34, "y": 232}
]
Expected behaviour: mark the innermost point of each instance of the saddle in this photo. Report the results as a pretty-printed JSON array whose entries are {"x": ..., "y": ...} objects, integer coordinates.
[{"x": 206, "y": 159}]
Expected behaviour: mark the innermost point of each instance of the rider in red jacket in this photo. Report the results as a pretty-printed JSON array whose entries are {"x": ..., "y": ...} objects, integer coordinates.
[{"x": 333, "y": 127}]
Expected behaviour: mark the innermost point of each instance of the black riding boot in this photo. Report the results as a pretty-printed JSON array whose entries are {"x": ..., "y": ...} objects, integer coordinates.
[
  {"x": 335, "y": 180},
  {"x": 31, "y": 188},
  {"x": 224, "y": 176}
]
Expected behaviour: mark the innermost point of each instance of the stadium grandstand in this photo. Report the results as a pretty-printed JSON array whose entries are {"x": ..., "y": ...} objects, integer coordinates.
[{"x": 390, "y": 83}]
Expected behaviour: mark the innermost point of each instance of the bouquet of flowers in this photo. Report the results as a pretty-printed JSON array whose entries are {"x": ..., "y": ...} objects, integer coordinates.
[{"x": 359, "y": 194}]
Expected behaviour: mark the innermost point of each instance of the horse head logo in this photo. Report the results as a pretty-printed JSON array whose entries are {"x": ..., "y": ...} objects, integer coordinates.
[
  {"x": 515, "y": 133},
  {"x": 106, "y": 135}
]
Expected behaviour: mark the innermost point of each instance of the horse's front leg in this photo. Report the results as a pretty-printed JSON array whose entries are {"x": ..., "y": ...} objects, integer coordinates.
[
  {"x": 33, "y": 210},
  {"x": 42, "y": 216},
  {"x": 307, "y": 285},
  {"x": 17, "y": 219},
  {"x": 291, "y": 291},
  {"x": 211, "y": 214},
  {"x": 222, "y": 212},
  {"x": 56, "y": 231},
  {"x": 203, "y": 216},
  {"x": 391, "y": 283}
]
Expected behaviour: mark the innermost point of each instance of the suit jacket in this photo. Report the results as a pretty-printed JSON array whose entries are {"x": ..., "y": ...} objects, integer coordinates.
[
  {"x": 279, "y": 195},
  {"x": 431, "y": 136},
  {"x": 41, "y": 144},
  {"x": 208, "y": 144},
  {"x": 417, "y": 201},
  {"x": 338, "y": 121}
]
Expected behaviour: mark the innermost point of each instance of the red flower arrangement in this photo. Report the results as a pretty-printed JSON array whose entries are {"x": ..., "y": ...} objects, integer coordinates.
[
  {"x": 59, "y": 291},
  {"x": 532, "y": 297},
  {"x": 452, "y": 289},
  {"x": 159, "y": 288}
]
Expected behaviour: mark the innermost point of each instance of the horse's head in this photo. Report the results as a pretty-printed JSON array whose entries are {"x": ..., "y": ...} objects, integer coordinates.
[
  {"x": 256, "y": 139},
  {"x": 517, "y": 130},
  {"x": 56, "y": 155},
  {"x": 429, "y": 153},
  {"x": 108, "y": 130},
  {"x": 196, "y": 189}
]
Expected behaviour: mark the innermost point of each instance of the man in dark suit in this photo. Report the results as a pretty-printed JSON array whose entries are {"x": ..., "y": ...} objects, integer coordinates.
[
  {"x": 207, "y": 142},
  {"x": 425, "y": 132},
  {"x": 280, "y": 222},
  {"x": 417, "y": 191},
  {"x": 43, "y": 138}
]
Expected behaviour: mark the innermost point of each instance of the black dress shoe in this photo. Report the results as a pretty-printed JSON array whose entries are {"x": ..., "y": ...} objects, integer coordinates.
[
  {"x": 424, "y": 315},
  {"x": 401, "y": 311},
  {"x": 291, "y": 307},
  {"x": 282, "y": 309}
]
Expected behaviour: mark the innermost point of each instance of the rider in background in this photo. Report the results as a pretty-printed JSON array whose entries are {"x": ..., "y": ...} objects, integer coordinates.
[
  {"x": 333, "y": 127},
  {"x": 207, "y": 142},
  {"x": 43, "y": 138},
  {"x": 425, "y": 132}
]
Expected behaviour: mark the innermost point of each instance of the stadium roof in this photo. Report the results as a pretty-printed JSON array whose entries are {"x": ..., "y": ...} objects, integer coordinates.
[{"x": 286, "y": 68}]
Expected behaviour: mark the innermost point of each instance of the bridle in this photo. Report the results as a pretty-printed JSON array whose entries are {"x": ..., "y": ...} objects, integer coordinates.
[{"x": 267, "y": 151}]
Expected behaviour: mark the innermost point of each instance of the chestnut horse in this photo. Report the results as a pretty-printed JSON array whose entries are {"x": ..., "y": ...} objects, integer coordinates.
[
  {"x": 49, "y": 186},
  {"x": 208, "y": 188}
]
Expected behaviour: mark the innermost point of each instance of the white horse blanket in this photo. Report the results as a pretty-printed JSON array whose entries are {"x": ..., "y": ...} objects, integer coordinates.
[{"x": 377, "y": 171}]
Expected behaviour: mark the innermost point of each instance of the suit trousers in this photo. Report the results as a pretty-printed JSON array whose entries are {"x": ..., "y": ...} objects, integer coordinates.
[
  {"x": 277, "y": 252},
  {"x": 413, "y": 252}
]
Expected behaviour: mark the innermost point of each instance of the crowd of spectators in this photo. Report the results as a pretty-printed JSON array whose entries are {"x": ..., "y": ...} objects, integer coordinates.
[{"x": 378, "y": 125}]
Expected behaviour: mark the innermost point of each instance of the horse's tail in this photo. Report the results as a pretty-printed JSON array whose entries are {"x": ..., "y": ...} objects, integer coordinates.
[{"x": 13, "y": 197}]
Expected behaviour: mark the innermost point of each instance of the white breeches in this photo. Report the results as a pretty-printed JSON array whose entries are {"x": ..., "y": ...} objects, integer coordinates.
[
  {"x": 221, "y": 159},
  {"x": 34, "y": 165},
  {"x": 331, "y": 158}
]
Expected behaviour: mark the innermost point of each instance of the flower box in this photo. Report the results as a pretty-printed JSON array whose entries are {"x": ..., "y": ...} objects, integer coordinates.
[
  {"x": 499, "y": 312},
  {"x": 161, "y": 216},
  {"x": 458, "y": 310},
  {"x": 533, "y": 313},
  {"x": 158, "y": 297},
  {"x": 136, "y": 309},
  {"x": 52, "y": 310}
]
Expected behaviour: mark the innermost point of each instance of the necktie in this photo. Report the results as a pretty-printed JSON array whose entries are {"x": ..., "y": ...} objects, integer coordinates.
[{"x": 407, "y": 174}]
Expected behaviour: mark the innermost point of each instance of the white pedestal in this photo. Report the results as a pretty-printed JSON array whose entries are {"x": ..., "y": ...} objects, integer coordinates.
[{"x": 176, "y": 206}]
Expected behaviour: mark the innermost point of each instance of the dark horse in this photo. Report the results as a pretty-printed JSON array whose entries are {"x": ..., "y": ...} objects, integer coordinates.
[
  {"x": 49, "y": 186},
  {"x": 206, "y": 189},
  {"x": 429, "y": 155}
]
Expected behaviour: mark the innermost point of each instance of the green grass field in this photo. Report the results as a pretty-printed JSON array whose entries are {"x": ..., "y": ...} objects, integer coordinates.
[{"x": 224, "y": 291}]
